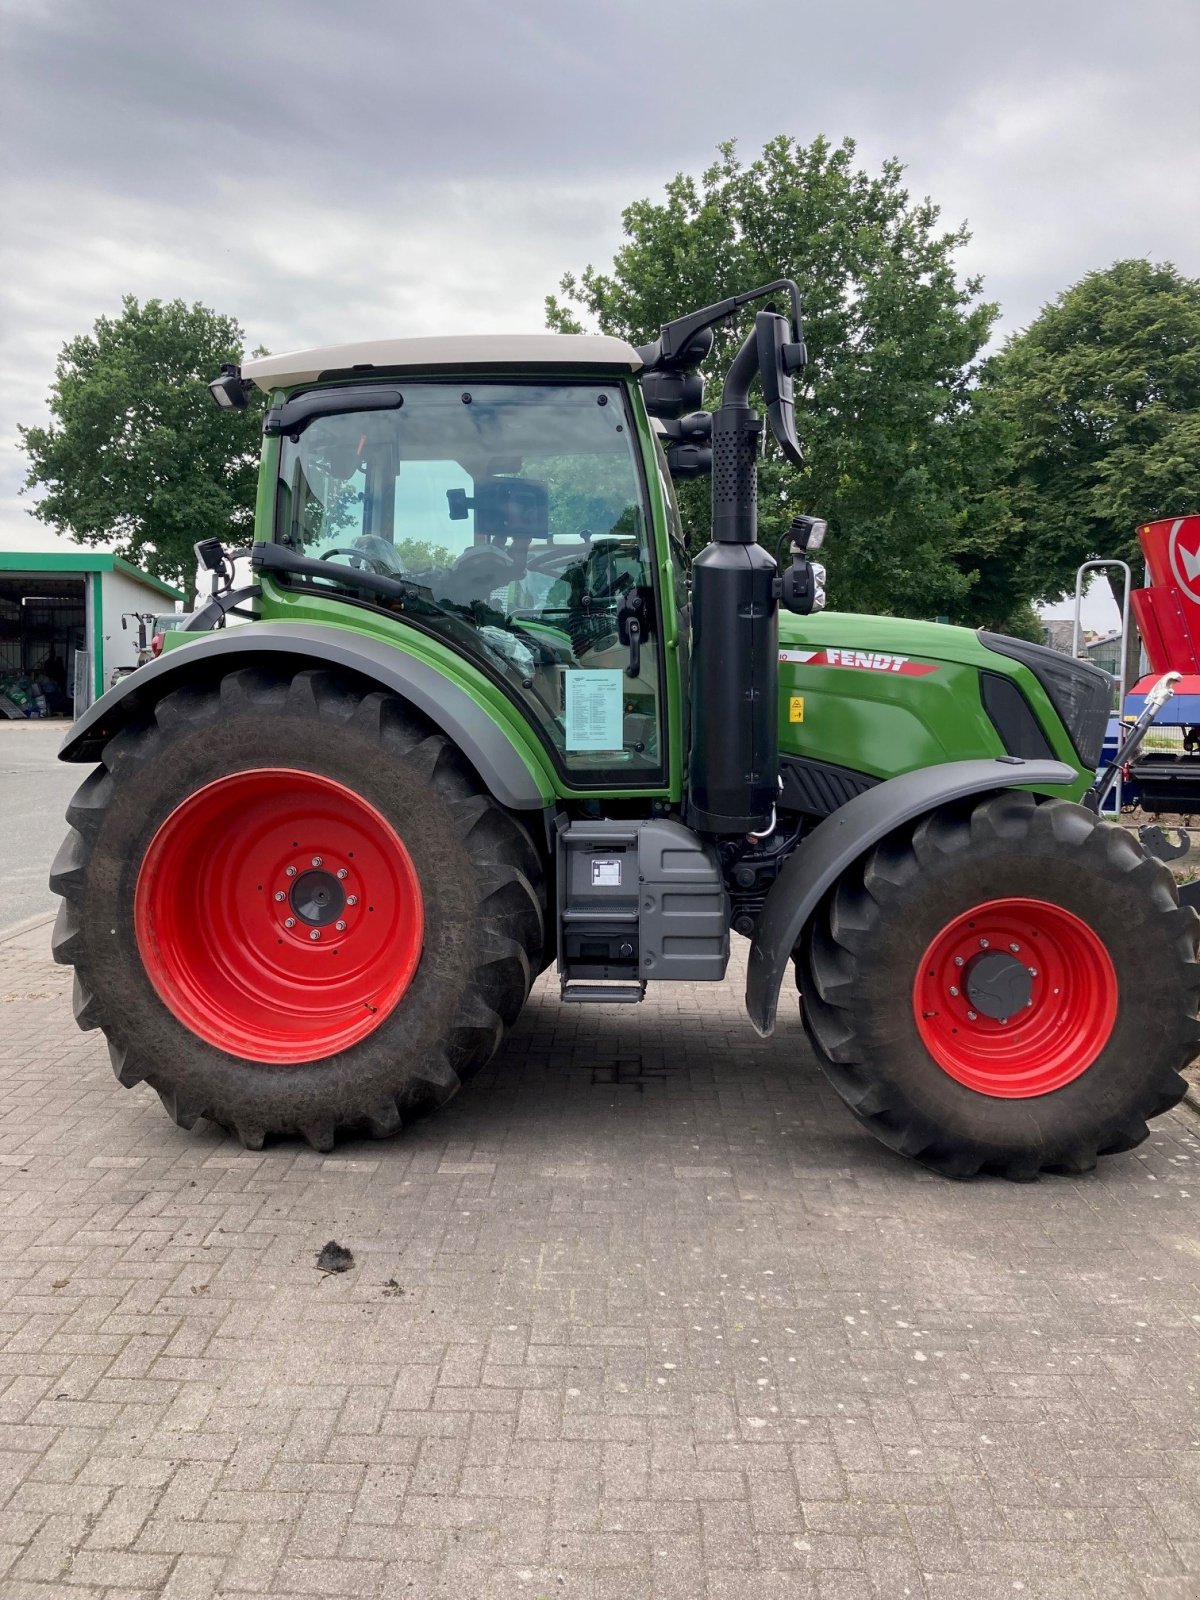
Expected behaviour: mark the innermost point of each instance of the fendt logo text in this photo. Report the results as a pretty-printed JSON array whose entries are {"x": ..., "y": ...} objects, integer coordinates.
[{"x": 862, "y": 660}]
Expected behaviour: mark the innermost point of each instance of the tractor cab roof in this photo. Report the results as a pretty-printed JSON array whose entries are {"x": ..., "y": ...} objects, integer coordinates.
[{"x": 451, "y": 352}]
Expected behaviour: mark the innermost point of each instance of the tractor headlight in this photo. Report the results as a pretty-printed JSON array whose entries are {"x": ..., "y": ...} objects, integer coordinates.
[{"x": 1081, "y": 694}]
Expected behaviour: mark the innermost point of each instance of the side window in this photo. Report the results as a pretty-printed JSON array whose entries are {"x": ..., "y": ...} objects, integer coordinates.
[{"x": 427, "y": 533}]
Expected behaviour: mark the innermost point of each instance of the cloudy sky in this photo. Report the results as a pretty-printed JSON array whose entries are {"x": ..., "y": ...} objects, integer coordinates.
[{"x": 332, "y": 168}]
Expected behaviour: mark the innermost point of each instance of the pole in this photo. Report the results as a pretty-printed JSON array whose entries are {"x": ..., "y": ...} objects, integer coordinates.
[{"x": 1093, "y": 566}]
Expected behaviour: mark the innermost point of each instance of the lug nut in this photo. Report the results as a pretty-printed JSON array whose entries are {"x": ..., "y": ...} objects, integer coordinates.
[
  {"x": 983, "y": 944},
  {"x": 351, "y": 899},
  {"x": 342, "y": 873},
  {"x": 958, "y": 961},
  {"x": 340, "y": 925},
  {"x": 317, "y": 860},
  {"x": 315, "y": 934},
  {"x": 279, "y": 895},
  {"x": 953, "y": 989},
  {"x": 971, "y": 1017},
  {"x": 289, "y": 922},
  {"x": 1033, "y": 974},
  {"x": 291, "y": 872},
  {"x": 1014, "y": 948}
]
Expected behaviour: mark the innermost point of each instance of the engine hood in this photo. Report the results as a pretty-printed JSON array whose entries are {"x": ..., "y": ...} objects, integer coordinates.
[{"x": 901, "y": 636}]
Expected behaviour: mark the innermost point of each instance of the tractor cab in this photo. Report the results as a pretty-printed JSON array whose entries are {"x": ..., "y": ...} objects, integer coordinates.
[{"x": 509, "y": 517}]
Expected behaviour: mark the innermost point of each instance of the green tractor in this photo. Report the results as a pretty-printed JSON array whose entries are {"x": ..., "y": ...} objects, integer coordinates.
[{"x": 488, "y": 715}]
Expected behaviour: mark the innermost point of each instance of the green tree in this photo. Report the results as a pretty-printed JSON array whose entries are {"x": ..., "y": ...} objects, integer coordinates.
[
  {"x": 892, "y": 443},
  {"x": 136, "y": 453},
  {"x": 1099, "y": 403}
]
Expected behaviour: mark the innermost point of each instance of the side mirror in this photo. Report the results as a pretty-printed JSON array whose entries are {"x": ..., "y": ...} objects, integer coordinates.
[
  {"x": 124, "y": 623},
  {"x": 779, "y": 356}
]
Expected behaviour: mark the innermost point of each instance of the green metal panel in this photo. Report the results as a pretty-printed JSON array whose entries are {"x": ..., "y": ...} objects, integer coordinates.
[
  {"x": 886, "y": 695},
  {"x": 94, "y": 581},
  {"x": 264, "y": 504}
]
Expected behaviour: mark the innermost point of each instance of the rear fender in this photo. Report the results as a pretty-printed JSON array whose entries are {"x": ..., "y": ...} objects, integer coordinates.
[
  {"x": 447, "y": 705},
  {"x": 842, "y": 838}
]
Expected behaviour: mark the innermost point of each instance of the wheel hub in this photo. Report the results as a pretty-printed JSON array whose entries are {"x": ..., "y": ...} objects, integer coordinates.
[
  {"x": 317, "y": 898},
  {"x": 998, "y": 984}
]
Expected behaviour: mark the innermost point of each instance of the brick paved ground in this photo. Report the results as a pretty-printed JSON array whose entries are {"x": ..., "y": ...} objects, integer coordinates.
[{"x": 643, "y": 1313}]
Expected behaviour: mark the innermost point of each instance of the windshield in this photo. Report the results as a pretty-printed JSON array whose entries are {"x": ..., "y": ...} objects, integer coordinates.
[{"x": 513, "y": 514}]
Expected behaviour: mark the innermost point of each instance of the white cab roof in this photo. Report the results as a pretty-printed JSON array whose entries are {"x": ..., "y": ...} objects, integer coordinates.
[{"x": 461, "y": 351}]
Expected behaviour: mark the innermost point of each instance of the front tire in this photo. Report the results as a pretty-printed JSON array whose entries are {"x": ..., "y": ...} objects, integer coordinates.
[
  {"x": 1009, "y": 987},
  {"x": 291, "y": 908}
]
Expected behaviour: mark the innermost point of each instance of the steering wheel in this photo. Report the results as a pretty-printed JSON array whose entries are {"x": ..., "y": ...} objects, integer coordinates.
[{"x": 557, "y": 559}]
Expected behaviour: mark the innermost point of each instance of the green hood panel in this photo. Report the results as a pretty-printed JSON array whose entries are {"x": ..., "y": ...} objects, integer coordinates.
[{"x": 887, "y": 695}]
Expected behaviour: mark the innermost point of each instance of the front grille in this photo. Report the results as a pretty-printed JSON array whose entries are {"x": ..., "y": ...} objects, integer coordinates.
[{"x": 1080, "y": 693}]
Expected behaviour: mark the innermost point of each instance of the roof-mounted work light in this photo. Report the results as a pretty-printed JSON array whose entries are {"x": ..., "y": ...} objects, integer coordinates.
[{"x": 229, "y": 390}]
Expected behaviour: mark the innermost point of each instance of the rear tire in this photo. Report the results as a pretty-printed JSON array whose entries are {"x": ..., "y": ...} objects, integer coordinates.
[
  {"x": 175, "y": 976},
  {"x": 1104, "y": 1018}
]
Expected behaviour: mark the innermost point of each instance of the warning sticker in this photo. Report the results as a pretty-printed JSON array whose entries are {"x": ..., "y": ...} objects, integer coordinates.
[
  {"x": 796, "y": 708},
  {"x": 606, "y": 874},
  {"x": 594, "y": 712}
]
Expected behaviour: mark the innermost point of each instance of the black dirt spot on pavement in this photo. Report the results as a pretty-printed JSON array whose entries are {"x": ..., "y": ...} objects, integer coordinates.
[{"x": 335, "y": 1258}]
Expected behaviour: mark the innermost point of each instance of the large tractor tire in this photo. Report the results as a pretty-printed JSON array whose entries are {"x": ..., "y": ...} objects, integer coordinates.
[
  {"x": 1009, "y": 987},
  {"x": 292, "y": 909}
]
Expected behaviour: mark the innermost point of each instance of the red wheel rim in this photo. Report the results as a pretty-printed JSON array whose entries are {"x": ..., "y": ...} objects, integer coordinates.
[
  {"x": 278, "y": 915},
  {"x": 1030, "y": 958}
]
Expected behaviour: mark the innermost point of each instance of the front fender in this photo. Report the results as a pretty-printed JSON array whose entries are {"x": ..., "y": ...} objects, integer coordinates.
[
  {"x": 448, "y": 706},
  {"x": 843, "y": 837}
]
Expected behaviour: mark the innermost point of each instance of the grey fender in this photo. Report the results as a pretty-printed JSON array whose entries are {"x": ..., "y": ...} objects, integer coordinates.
[
  {"x": 449, "y": 707},
  {"x": 835, "y": 843}
]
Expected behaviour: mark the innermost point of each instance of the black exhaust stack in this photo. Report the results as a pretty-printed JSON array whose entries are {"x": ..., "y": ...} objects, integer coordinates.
[
  {"x": 733, "y": 769},
  {"x": 733, "y": 764}
]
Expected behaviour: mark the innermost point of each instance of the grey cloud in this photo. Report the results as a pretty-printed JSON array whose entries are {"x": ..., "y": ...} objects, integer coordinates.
[{"x": 326, "y": 170}]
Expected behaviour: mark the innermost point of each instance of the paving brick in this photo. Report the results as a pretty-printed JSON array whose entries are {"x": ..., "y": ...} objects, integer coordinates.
[{"x": 661, "y": 1309}]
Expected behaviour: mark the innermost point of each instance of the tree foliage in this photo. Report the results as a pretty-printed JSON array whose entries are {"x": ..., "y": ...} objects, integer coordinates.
[
  {"x": 1097, "y": 404},
  {"x": 894, "y": 452},
  {"x": 136, "y": 453}
]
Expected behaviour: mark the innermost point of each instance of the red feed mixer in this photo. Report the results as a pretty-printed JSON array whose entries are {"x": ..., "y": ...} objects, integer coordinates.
[{"x": 1168, "y": 619}]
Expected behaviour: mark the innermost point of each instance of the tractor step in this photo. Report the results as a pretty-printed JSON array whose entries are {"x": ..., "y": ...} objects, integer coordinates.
[{"x": 578, "y": 993}]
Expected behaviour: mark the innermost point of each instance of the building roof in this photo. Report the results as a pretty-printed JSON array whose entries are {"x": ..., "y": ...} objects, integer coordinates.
[
  {"x": 67, "y": 561},
  {"x": 456, "y": 352}
]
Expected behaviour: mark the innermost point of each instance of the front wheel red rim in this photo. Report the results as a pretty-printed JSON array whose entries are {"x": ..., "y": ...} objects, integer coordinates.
[
  {"x": 278, "y": 915},
  {"x": 1015, "y": 998}
]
